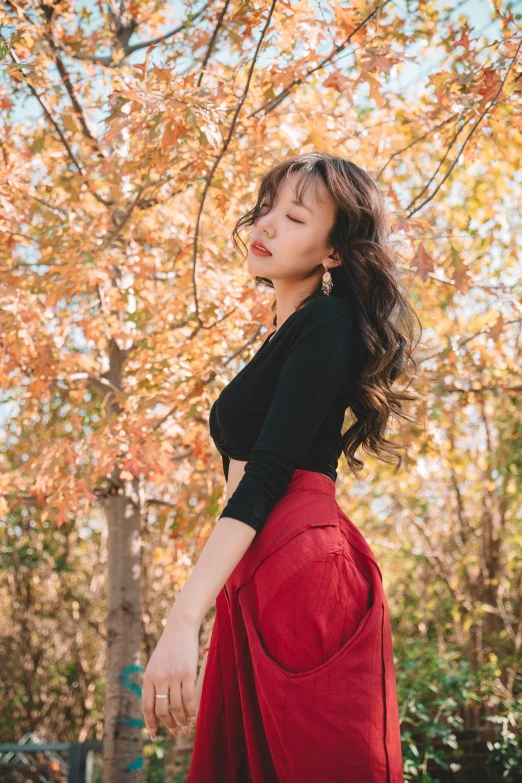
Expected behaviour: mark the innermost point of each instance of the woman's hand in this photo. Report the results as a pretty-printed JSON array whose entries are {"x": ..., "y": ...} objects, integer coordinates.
[{"x": 172, "y": 670}]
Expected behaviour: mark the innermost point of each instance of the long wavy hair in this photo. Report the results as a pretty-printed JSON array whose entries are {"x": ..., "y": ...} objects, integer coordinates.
[{"x": 367, "y": 279}]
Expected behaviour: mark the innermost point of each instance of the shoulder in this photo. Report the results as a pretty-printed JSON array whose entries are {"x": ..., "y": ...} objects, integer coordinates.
[
  {"x": 326, "y": 312},
  {"x": 324, "y": 328},
  {"x": 322, "y": 344}
]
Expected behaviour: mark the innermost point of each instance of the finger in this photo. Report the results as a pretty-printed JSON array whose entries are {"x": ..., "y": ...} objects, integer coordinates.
[
  {"x": 176, "y": 705},
  {"x": 190, "y": 698},
  {"x": 162, "y": 709},
  {"x": 147, "y": 706}
]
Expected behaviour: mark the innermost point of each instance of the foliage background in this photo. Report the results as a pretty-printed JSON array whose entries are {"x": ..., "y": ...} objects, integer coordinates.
[{"x": 133, "y": 135}]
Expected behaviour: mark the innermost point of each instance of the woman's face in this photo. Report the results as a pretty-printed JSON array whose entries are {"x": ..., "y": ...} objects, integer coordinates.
[{"x": 295, "y": 234}]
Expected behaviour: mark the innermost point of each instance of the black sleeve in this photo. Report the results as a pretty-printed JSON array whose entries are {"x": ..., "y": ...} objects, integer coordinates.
[{"x": 316, "y": 368}]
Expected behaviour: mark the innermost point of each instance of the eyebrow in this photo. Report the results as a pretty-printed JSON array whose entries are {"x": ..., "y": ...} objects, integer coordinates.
[{"x": 302, "y": 204}]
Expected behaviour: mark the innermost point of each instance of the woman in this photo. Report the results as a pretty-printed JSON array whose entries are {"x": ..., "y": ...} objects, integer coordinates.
[{"x": 299, "y": 684}]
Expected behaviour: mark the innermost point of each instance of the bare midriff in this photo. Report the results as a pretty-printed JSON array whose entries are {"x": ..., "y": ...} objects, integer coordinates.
[{"x": 236, "y": 468}]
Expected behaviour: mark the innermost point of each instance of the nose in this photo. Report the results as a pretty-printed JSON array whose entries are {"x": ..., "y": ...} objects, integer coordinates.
[{"x": 263, "y": 222}]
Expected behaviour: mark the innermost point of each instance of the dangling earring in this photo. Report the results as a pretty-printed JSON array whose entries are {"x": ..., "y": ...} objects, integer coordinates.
[{"x": 327, "y": 284}]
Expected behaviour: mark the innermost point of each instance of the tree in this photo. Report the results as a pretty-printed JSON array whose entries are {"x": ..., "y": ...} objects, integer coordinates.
[{"x": 119, "y": 291}]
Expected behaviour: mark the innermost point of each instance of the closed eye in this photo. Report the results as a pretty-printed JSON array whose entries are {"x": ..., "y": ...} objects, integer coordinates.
[{"x": 268, "y": 206}]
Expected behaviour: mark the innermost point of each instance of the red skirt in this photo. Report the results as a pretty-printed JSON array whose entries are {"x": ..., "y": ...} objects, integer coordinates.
[{"x": 300, "y": 683}]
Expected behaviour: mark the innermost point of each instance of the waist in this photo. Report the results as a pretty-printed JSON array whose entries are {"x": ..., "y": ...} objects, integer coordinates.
[
  {"x": 322, "y": 457},
  {"x": 311, "y": 480}
]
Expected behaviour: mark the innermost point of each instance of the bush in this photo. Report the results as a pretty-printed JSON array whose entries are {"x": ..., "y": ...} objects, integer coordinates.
[{"x": 437, "y": 694}]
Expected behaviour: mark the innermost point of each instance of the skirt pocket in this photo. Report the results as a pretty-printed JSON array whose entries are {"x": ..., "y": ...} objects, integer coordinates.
[{"x": 305, "y": 620}]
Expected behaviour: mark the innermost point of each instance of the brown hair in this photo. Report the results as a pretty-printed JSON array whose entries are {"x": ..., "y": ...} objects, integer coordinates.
[{"x": 368, "y": 280}]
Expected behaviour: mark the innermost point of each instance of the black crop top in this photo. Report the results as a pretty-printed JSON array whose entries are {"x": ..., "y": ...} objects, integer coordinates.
[{"x": 285, "y": 409}]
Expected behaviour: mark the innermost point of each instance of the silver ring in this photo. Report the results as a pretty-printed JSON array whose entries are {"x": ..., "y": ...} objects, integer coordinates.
[{"x": 161, "y": 696}]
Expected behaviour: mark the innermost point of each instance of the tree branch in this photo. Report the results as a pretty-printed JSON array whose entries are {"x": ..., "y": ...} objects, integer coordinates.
[
  {"x": 78, "y": 111},
  {"x": 59, "y": 131},
  {"x": 470, "y": 134},
  {"x": 212, "y": 41},
  {"x": 271, "y": 105},
  {"x": 123, "y": 33},
  {"x": 440, "y": 164}
]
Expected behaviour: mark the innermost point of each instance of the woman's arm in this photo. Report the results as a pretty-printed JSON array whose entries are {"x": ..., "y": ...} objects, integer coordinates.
[
  {"x": 223, "y": 550},
  {"x": 172, "y": 669}
]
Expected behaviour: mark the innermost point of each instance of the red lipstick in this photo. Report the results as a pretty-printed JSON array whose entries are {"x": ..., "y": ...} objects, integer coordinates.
[{"x": 259, "y": 249}]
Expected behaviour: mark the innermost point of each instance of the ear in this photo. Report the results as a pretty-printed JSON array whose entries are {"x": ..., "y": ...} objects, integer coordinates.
[
  {"x": 334, "y": 259},
  {"x": 331, "y": 259}
]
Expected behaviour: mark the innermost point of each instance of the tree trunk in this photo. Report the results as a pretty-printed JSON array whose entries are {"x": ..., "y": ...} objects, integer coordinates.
[{"x": 122, "y": 744}]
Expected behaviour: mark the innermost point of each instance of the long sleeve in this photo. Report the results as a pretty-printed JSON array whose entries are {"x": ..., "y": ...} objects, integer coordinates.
[{"x": 317, "y": 368}]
